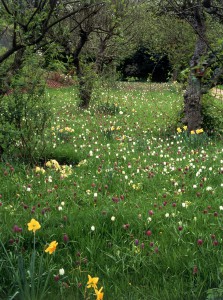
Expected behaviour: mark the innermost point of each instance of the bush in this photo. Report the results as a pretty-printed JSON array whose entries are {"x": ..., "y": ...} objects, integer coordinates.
[
  {"x": 24, "y": 113},
  {"x": 212, "y": 112}
]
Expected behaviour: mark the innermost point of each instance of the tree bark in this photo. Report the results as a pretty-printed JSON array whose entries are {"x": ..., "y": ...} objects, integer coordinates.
[
  {"x": 193, "y": 94},
  {"x": 85, "y": 87}
]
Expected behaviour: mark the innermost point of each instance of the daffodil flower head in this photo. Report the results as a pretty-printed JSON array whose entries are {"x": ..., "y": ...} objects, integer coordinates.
[
  {"x": 33, "y": 225},
  {"x": 99, "y": 294},
  {"x": 199, "y": 130},
  {"x": 92, "y": 282},
  {"x": 52, "y": 247}
]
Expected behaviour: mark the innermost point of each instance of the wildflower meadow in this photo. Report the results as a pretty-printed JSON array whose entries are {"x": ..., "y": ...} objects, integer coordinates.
[{"x": 123, "y": 203}]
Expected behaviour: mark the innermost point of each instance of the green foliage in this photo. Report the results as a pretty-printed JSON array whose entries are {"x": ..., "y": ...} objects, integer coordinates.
[
  {"x": 108, "y": 108},
  {"x": 25, "y": 113},
  {"x": 136, "y": 204},
  {"x": 212, "y": 112},
  {"x": 28, "y": 282}
]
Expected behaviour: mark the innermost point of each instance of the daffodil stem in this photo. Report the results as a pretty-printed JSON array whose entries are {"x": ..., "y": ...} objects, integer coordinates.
[{"x": 34, "y": 242}]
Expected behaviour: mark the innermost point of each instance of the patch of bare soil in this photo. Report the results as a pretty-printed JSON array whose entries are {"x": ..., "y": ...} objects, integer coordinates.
[{"x": 54, "y": 84}]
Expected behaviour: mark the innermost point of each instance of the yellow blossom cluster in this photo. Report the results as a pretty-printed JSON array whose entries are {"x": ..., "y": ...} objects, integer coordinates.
[
  {"x": 92, "y": 283},
  {"x": 136, "y": 186},
  {"x": 197, "y": 131},
  {"x": 40, "y": 170},
  {"x": 82, "y": 163},
  {"x": 64, "y": 169},
  {"x": 65, "y": 129},
  {"x": 115, "y": 128},
  {"x": 179, "y": 130},
  {"x": 53, "y": 164}
]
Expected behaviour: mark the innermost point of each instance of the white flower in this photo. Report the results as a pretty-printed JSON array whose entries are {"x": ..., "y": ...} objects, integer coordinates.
[
  {"x": 63, "y": 203},
  {"x": 149, "y": 219},
  {"x": 194, "y": 186},
  {"x": 113, "y": 218},
  {"x": 28, "y": 189},
  {"x": 221, "y": 207},
  {"x": 61, "y": 272},
  {"x": 167, "y": 215},
  {"x": 208, "y": 188},
  {"x": 60, "y": 208},
  {"x": 121, "y": 112},
  {"x": 95, "y": 195},
  {"x": 92, "y": 228}
]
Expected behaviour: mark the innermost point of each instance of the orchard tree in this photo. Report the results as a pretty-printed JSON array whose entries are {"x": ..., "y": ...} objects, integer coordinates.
[
  {"x": 28, "y": 23},
  {"x": 93, "y": 39},
  {"x": 195, "y": 13}
]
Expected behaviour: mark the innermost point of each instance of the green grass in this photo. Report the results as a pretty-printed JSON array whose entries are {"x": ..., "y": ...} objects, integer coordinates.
[{"x": 149, "y": 192}]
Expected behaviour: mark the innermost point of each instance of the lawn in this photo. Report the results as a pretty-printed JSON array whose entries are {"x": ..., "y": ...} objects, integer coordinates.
[{"x": 129, "y": 200}]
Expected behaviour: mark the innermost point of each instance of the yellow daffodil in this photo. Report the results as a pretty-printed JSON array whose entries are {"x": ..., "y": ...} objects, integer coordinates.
[
  {"x": 33, "y": 225},
  {"x": 192, "y": 132},
  {"x": 99, "y": 294},
  {"x": 92, "y": 282},
  {"x": 179, "y": 130},
  {"x": 40, "y": 170},
  {"x": 53, "y": 164},
  {"x": 199, "y": 131},
  {"x": 185, "y": 127},
  {"x": 52, "y": 247}
]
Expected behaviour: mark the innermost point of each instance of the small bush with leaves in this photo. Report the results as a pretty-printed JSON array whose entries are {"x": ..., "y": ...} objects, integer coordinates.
[
  {"x": 212, "y": 111},
  {"x": 24, "y": 113}
]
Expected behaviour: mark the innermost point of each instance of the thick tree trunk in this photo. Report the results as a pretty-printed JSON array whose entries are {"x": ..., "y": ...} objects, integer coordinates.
[{"x": 193, "y": 94}]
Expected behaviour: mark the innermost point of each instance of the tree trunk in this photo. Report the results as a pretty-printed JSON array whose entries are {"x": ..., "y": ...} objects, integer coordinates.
[
  {"x": 193, "y": 94},
  {"x": 85, "y": 92},
  {"x": 85, "y": 88}
]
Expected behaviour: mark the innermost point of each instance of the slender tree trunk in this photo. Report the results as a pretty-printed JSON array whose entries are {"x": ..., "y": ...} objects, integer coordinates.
[
  {"x": 100, "y": 57},
  {"x": 85, "y": 87},
  {"x": 193, "y": 94}
]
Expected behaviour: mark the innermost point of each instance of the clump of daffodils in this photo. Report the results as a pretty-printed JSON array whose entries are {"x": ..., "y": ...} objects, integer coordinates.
[
  {"x": 64, "y": 169},
  {"x": 92, "y": 283},
  {"x": 40, "y": 170},
  {"x": 53, "y": 164},
  {"x": 82, "y": 163},
  {"x": 137, "y": 186},
  {"x": 197, "y": 131}
]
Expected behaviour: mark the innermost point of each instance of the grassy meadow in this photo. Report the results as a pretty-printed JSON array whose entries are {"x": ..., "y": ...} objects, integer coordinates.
[{"x": 128, "y": 198}]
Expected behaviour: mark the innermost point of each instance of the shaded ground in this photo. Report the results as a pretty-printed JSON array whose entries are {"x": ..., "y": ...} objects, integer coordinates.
[{"x": 54, "y": 84}]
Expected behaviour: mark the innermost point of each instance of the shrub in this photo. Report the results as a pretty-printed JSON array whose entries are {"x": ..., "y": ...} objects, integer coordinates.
[
  {"x": 24, "y": 113},
  {"x": 212, "y": 112}
]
